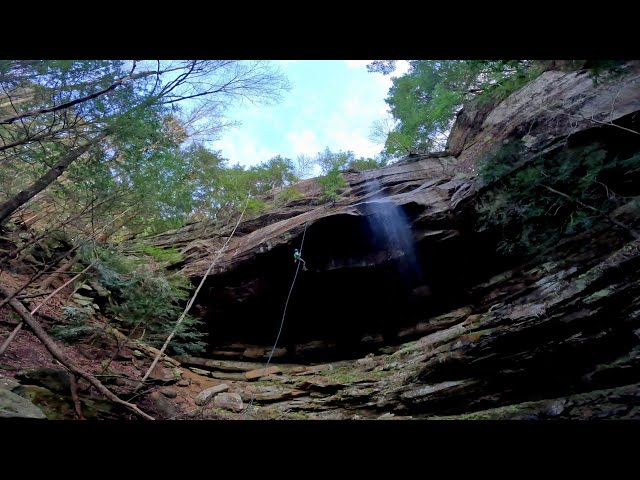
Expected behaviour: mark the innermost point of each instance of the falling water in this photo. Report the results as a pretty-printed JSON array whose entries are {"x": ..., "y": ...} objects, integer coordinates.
[{"x": 392, "y": 232}]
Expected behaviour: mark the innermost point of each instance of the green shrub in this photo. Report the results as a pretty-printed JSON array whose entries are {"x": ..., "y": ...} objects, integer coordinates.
[
  {"x": 75, "y": 324},
  {"x": 287, "y": 195},
  {"x": 552, "y": 197},
  {"x": 147, "y": 299},
  {"x": 332, "y": 184},
  {"x": 424, "y": 101},
  {"x": 508, "y": 85},
  {"x": 601, "y": 69},
  {"x": 168, "y": 256},
  {"x": 256, "y": 206},
  {"x": 362, "y": 164}
]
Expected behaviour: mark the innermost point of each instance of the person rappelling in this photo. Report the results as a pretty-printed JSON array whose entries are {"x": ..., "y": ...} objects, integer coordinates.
[{"x": 297, "y": 257}]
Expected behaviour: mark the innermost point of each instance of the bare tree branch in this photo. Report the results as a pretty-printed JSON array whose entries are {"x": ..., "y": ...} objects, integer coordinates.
[{"x": 55, "y": 351}]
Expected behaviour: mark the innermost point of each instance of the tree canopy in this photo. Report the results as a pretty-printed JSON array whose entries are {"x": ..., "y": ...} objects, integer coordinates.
[
  {"x": 423, "y": 102},
  {"x": 90, "y": 139}
]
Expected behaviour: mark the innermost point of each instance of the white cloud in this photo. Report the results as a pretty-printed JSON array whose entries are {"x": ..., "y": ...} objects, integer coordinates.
[
  {"x": 352, "y": 106},
  {"x": 357, "y": 63},
  {"x": 311, "y": 108},
  {"x": 384, "y": 81},
  {"x": 333, "y": 104},
  {"x": 362, "y": 105},
  {"x": 402, "y": 67},
  {"x": 284, "y": 63},
  {"x": 240, "y": 147},
  {"x": 354, "y": 140},
  {"x": 304, "y": 142}
]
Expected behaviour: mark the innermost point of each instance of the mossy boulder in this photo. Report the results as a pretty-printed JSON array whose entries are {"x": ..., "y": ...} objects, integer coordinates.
[
  {"x": 61, "y": 407},
  {"x": 50, "y": 378},
  {"x": 15, "y": 406}
]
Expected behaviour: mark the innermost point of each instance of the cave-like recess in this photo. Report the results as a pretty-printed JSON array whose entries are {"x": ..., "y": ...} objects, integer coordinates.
[{"x": 355, "y": 296}]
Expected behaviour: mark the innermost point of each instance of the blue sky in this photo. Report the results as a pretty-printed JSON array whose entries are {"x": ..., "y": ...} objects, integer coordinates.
[{"x": 332, "y": 103}]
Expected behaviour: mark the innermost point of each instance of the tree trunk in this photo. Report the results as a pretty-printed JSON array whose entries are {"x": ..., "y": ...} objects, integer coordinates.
[
  {"x": 56, "y": 353},
  {"x": 11, "y": 205},
  {"x": 46, "y": 283},
  {"x": 64, "y": 106},
  {"x": 13, "y": 334}
]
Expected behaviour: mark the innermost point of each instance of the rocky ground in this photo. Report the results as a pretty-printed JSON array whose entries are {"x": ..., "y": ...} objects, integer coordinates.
[
  {"x": 477, "y": 336},
  {"x": 564, "y": 346}
]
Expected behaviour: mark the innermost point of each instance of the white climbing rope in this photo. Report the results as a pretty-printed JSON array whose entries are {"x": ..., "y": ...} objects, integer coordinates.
[
  {"x": 190, "y": 303},
  {"x": 253, "y": 396}
]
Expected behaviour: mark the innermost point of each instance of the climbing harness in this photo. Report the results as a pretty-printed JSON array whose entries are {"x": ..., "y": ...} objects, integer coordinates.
[
  {"x": 299, "y": 259},
  {"x": 253, "y": 396}
]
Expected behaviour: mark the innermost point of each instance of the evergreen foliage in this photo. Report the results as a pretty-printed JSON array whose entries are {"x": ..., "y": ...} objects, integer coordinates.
[
  {"x": 554, "y": 196},
  {"x": 423, "y": 103},
  {"x": 146, "y": 299}
]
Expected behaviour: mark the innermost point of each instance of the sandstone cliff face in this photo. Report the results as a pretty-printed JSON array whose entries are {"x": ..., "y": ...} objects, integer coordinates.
[
  {"x": 544, "y": 112},
  {"x": 556, "y": 337},
  {"x": 353, "y": 287}
]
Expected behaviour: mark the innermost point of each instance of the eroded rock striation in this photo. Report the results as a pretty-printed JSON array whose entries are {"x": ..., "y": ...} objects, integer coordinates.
[{"x": 548, "y": 336}]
